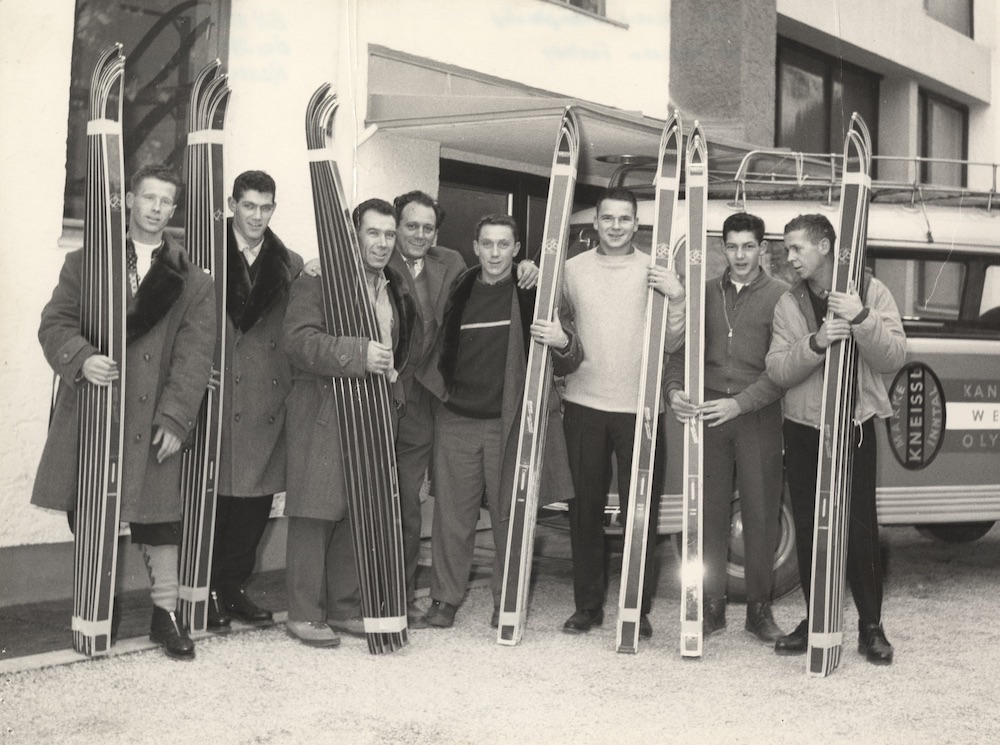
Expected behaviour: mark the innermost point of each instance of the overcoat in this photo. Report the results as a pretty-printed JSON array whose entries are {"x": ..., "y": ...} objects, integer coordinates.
[
  {"x": 170, "y": 329},
  {"x": 316, "y": 485},
  {"x": 258, "y": 376},
  {"x": 556, "y": 480}
]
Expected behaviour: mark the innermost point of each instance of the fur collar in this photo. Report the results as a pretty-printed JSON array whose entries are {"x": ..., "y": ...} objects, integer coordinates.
[
  {"x": 455, "y": 309},
  {"x": 247, "y": 303},
  {"x": 158, "y": 291},
  {"x": 407, "y": 315}
]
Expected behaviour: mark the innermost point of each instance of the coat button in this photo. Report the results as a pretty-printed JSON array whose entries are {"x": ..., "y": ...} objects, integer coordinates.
[
  {"x": 236, "y": 416},
  {"x": 270, "y": 420},
  {"x": 274, "y": 381},
  {"x": 237, "y": 379},
  {"x": 147, "y": 356},
  {"x": 138, "y": 438},
  {"x": 273, "y": 345},
  {"x": 143, "y": 397}
]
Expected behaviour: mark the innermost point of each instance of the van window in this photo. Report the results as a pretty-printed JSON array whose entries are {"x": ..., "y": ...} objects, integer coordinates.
[{"x": 923, "y": 289}]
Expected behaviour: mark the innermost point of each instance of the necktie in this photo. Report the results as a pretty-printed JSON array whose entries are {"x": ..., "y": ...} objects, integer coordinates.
[
  {"x": 414, "y": 266},
  {"x": 133, "y": 267}
]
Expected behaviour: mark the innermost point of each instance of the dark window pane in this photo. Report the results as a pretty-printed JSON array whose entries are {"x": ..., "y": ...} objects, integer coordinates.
[
  {"x": 166, "y": 44},
  {"x": 464, "y": 206},
  {"x": 853, "y": 91},
  {"x": 943, "y": 129},
  {"x": 954, "y": 13},
  {"x": 802, "y": 102}
]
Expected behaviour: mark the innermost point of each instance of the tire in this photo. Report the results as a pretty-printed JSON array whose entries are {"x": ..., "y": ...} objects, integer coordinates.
[
  {"x": 786, "y": 568},
  {"x": 956, "y": 532}
]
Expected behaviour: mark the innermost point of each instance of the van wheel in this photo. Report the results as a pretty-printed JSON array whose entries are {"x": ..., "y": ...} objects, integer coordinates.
[
  {"x": 786, "y": 567},
  {"x": 956, "y": 532}
]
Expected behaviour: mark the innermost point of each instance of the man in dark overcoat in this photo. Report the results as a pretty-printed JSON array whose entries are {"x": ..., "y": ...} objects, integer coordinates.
[
  {"x": 170, "y": 327},
  {"x": 256, "y": 384},
  {"x": 321, "y": 570},
  {"x": 483, "y": 362}
]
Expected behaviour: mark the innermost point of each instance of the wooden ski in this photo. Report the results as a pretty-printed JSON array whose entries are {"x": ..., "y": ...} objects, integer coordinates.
[
  {"x": 205, "y": 241},
  {"x": 668, "y": 182},
  {"x": 836, "y": 451},
  {"x": 103, "y": 300},
  {"x": 535, "y": 405},
  {"x": 692, "y": 568},
  {"x": 364, "y": 405}
]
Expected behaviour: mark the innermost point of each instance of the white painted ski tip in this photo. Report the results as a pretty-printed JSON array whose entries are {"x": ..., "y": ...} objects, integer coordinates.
[
  {"x": 388, "y": 625},
  {"x": 827, "y": 640}
]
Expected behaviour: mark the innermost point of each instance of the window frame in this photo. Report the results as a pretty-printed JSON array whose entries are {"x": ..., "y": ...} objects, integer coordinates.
[
  {"x": 971, "y": 14},
  {"x": 924, "y": 98}
]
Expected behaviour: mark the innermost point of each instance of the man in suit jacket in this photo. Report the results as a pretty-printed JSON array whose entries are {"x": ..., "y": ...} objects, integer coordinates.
[
  {"x": 257, "y": 381},
  {"x": 170, "y": 340}
]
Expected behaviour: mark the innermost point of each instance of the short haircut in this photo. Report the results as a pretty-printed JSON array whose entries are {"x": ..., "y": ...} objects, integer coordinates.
[
  {"x": 743, "y": 221},
  {"x": 422, "y": 198},
  {"x": 618, "y": 194},
  {"x": 815, "y": 226},
  {"x": 253, "y": 181},
  {"x": 380, "y": 206},
  {"x": 498, "y": 219},
  {"x": 158, "y": 171}
]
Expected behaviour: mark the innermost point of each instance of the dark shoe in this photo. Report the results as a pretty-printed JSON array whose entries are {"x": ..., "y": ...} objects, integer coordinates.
[
  {"x": 313, "y": 633},
  {"x": 218, "y": 620},
  {"x": 760, "y": 622},
  {"x": 582, "y": 621},
  {"x": 239, "y": 605},
  {"x": 441, "y": 615},
  {"x": 415, "y": 618},
  {"x": 351, "y": 626},
  {"x": 645, "y": 627},
  {"x": 794, "y": 643},
  {"x": 495, "y": 618},
  {"x": 714, "y": 618},
  {"x": 873, "y": 644},
  {"x": 166, "y": 631}
]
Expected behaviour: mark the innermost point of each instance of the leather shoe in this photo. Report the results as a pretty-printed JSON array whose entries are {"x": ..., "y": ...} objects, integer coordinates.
[
  {"x": 760, "y": 622},
  {"x": 351, "y": 626},
  {"x": 415, "y": 618},
  {"x": 583, "y": 620},
  {"x": 218, "y": 619},
  {"x": 239, "y": 605},
  {"x": 795, "y": 643},
  {"x": 873, "y": 644},
  {"x": 714, "y": 618},
  {"x": 313, "y": 633},
  {"x": 166, "y": 631},
  {"x": 645, "y": 627},
  {"x": 441, "y": 615}
]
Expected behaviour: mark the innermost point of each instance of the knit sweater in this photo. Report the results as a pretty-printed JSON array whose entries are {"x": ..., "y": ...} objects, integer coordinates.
[{"x": 605, "y": 296}]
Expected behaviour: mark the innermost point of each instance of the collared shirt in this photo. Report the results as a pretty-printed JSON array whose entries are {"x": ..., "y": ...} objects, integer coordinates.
[
  {"x": 416, "y": 266},
  {"x": 250, "y": 253},
  {"x": 378, "y": 293},
  {"x": 143, "y": 257}
]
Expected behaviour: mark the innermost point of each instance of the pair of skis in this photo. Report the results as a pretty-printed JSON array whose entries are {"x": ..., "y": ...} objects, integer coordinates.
[{"x": 836, "y": 446}]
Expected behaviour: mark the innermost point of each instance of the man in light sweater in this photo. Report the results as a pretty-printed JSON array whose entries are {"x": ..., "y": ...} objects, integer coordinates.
[
  {"x": 605, "y": 297},
  {"x": 742, "y": 414}
]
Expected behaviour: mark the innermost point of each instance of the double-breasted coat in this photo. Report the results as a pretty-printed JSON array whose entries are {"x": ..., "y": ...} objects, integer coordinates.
[
  {"x": 316, "y": 486},
  {"x": 170, "y": 329},
  {"x": 258, "y": 375}
]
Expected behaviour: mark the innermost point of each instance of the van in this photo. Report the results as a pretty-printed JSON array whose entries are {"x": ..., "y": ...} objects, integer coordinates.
[{"x": 938, "y": 251}]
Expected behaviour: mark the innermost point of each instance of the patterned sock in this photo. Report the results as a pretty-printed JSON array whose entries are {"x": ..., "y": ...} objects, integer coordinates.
[{"x": 161, "y": 563}]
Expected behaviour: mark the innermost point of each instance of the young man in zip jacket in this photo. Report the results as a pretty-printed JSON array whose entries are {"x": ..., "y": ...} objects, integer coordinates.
[{"x": 742, "y": 414}]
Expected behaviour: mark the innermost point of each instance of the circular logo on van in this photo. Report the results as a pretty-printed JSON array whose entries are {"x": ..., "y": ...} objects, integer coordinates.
[{"x": 916, "y": 427}]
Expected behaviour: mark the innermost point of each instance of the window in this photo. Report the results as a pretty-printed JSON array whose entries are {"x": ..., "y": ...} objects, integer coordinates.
[
  {"x": 943, "y": 128},
  {"x": 816, "y": 95},
  {"x": 166, "y": 44},
  {"x": 590, "y": 6},
  {"x": 954, "y": 13}
]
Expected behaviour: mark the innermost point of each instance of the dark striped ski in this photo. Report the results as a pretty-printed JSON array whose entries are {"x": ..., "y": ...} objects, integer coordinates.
[
  {"x": 836, "y": 434},
  {"x": 535, "y": 405},
  {"x": 103, "y": 299},
  {"x": 668, "y": 182},
  {"x": 205, "y": 241},
  {"x": 692, "y": 567}
]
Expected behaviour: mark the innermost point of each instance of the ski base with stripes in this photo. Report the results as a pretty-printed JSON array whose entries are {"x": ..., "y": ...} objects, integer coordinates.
[
  {"x": 836, "y": 435},
  {"x": 641, "y": 481},
  {"x": 538, "y": 382},
  {"x": 692, "y": 562}
]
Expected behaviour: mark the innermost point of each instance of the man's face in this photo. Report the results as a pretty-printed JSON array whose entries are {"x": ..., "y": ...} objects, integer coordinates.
[
  {"x": 251, "y": 214},
  {"x": 417, "y": 230},
  {"x": 615, "y": 223},
  {"x": 151, "y": 203},
  {"x": 495, "y": 249},
  {"x": 743, "y": 253},
  {"x": 376, "y": 234},
  {"x": 804, "y": 255}
]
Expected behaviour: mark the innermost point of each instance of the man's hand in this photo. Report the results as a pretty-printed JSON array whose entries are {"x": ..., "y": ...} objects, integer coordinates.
[
  {"x": 551, "y": 333},
  {"x": 527, "y": 274},
  {"x": 666, "y": 282},
  {"x": 719, "y": 411},
  {"x": 169, "y": 443},
  {"x": 832, "y": 330},
  {"x": 682, "y": 406},
  {"x": 846, "y": 305},
  {"x": 215, "y": 380},
  {"x": 100, "y": 369},
  {"x": 379, "y": 358},
  {"x": 311, "y": 269}
]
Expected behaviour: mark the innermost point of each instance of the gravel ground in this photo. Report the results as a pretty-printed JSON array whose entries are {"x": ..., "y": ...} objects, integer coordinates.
[{"x": 459, "y": 686}]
